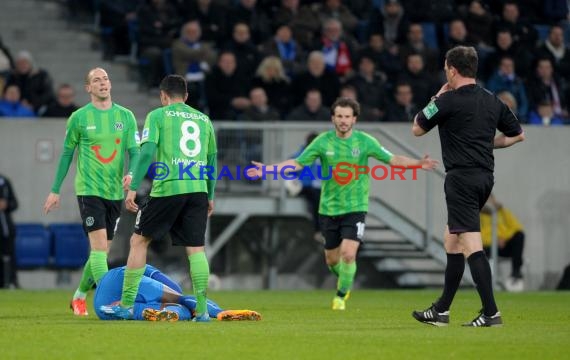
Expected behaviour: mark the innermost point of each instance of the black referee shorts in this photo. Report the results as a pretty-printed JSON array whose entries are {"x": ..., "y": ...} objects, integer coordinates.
[
  {"x": 466, "y": 191},
  {"x": 346, "y": 226},
  {"x": 98, "y": 213},
  {"x": 184, "y": 215}
]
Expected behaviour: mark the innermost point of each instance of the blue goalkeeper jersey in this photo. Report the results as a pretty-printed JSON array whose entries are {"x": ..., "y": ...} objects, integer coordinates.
[
  {"x": 150, "y": 292},
  {"x": 149, "y": 295}
]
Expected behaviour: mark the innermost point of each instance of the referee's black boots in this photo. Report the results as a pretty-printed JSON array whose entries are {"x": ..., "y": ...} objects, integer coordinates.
[{"x": 432, "y": 317}]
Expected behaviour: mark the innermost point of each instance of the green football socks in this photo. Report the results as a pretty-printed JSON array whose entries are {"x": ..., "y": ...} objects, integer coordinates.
[
  {"x": 346, "y": 276},
  {"x": 335, "y": 269},
  {"x": 98, "y": 264},
  {"x": 199, "y": 273},
  {"x": 131, "y": 286},
  {"x": 79, "y": 295},
  {"x": 86, "y": 282}
]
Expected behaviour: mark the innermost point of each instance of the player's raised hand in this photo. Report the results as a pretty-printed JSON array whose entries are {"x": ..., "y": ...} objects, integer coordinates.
[
  {"x": 127, "y": 182},
  {"x": 210, "y": 207},
  {"x": 255, "y": 172},
  {"x": 428, "y": 163},
  {"x": 130, "y": 201},
  {"x": 51, "y": 203}
]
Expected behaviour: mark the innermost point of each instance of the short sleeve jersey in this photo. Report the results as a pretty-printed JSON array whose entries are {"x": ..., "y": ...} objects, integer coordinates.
[
  {"x": 338, "y": 199},
  {"x": 468, "y": 119},
  {"x": 102, "y": 137},
  {"x": 185, "y": 138}
]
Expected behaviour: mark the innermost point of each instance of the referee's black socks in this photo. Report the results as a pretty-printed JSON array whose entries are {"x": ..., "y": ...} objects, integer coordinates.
[
  {"x": 453, "y": 274},
  {"x": 481, "y": 273}
]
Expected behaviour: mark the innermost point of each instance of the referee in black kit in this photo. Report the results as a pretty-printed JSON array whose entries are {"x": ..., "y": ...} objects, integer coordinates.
[{"x": 468, "y": 117}]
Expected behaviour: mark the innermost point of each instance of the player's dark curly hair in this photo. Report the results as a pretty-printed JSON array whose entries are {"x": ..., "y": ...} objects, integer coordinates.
[
  {"x": 174, "y": 86},
  {"x": 346, "y": 102},
  {"x": 464, "y": 59}
]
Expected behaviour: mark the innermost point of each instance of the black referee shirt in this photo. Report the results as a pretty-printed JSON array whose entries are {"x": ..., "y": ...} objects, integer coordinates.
[{"x": 468, "y": 119}]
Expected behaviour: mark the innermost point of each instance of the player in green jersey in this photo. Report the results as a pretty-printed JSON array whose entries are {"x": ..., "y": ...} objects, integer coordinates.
[
  {"x": 343, "y": 205},
  {"x": 102, "y": 131},
  {"x": 181, "y": 198}
]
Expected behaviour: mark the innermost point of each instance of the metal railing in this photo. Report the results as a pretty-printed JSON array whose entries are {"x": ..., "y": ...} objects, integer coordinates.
[
  {"x": 410, "y": 151},
  {"x": 241, "y": 142},
  {"x": 275, "y": 142}
]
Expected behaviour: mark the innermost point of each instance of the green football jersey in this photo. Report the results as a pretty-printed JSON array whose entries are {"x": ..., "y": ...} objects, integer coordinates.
[
  {"x": 102, "y": 137},
  {"x": 184, "y": 137},
  {"x": 338, "y": 199}
]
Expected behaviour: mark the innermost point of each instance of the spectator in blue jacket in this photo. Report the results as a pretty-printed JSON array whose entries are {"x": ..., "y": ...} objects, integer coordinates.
[
  {"x": 11, "y": 104},
  {"x": 544, "y": 115},
  {"x": 505, "y": 79}
]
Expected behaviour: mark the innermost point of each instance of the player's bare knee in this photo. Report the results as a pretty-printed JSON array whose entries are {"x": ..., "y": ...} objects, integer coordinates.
[
  {"x": 331, "y": 262},
  {"x": 331, "y": 259},
  {"x": 99, "y": 247},
  {"x": 348, "y": 257},
  {"x": 139, "y": 241},
  {"x": 453, "y": 248},
  {"x": 348, "y": 250},
  {"x": 348, "y": 254},
  {"x": 98, "y": 240}
]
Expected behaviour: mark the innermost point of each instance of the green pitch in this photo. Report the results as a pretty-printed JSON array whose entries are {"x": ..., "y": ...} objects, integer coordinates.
[{"x": 295, "y": 325}]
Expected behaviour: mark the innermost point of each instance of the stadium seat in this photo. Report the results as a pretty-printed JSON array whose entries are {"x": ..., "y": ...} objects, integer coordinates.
[
  {"x": 445, "y": 32},
  {"x": 33, "y": 245},
  {"x": 133, "y": 29},
  {"x": 362, "y": 31},
  {"x": 71, "y": 246},
  {"x": 430, "y": 35},
  {"x": 58, "y": 227},
  {"x": 378, "y": 4},
  {"x": 542, "y": 31},
  {"x": 30, "y": 227},
  {"x": 167, "y": 61}
]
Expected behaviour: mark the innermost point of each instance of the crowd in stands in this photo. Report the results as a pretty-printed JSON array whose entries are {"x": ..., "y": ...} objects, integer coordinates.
[
  {"x": 27, "y": 90},
  {"x": 263, "y": 60}
]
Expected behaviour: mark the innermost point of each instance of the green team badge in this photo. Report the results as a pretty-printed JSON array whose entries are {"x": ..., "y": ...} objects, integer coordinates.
[{"x": 430, "y": 110}]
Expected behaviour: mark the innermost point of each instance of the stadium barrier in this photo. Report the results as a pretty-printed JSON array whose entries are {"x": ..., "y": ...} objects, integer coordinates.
[{"x": 31, "y": 166}]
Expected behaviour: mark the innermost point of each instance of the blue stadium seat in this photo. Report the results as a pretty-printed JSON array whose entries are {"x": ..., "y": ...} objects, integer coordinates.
[
  {"x": 430, "y": 35},
  {"x": 167, "y": 61},
  {"x": 542, "y": 31},
  {"x": 106, "y": 31},
  {"x": 33, "y": 245},
  {"x": 57, "y": 227},
  {"x": 445, "y": 32},
  {"x": 378, "y": 4},
  {"x": 30, "y": 227},
  {"x": 71, "y": 246}
]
